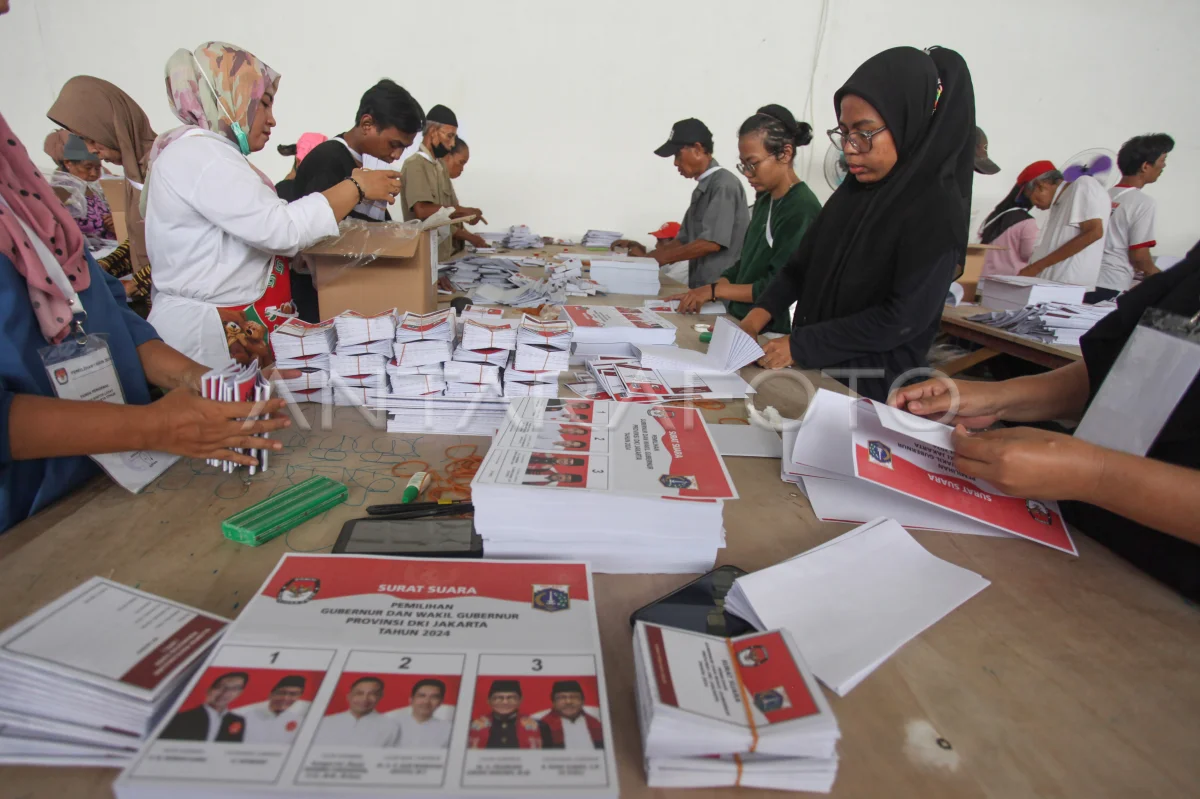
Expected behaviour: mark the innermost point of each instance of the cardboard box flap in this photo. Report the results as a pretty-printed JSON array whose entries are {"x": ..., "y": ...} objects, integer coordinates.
[
  {"x": 114, "y": 193},
  {"x": 359, "y": 239}
]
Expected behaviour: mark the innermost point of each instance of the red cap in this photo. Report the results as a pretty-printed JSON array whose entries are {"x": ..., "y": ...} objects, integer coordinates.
[
  {"x": 669, "y": 230},
  {"x": 1034, "y": 170}
]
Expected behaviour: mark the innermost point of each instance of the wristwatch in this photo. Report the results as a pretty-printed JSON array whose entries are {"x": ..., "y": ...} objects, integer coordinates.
[{"x": 714, "y": 291}]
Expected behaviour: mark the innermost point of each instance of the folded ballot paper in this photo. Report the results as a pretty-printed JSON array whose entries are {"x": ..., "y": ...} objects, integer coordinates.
[
  {"x": 462, "y": 372},
  {"x": 631, "y": 488},
  {"x": 605, "y": 324},
  {"x": 556, "y": 334},
  {"x": 854, "y": 601},
  {"x": 742, "y": 711},
  {"x": 422, "y": 353},
  {"x": 625, "y": 275},
  {"x": 500, "y": 334},
  {"x": 731, "y": 348},
  {"x": 541, "y": 357},
  {"x": 472, "y": 416},
  {"x": 672, "y": 306},
  {"x": 435, "y": 326},
  {"x": 627, "y": 380},
  {"x": 239, "y": 383},
  {"x": 87, "y": 677},
  {"x": 355, "y": 329},
  {"x": 299, "y": 344},
  {"x": 858, "y": 459}
]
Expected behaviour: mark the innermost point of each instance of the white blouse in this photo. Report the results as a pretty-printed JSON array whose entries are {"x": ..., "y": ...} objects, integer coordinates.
[{"x": 212, "y": 229}]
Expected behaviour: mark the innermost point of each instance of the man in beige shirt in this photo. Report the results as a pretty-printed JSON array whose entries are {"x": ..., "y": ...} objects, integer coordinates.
[{"x": 426, "y": 182}]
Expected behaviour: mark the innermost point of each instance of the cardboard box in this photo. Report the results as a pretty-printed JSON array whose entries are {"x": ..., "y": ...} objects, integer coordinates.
[
  {"x": 403, "y": 274},
  {"x": 114, "y": 194}
]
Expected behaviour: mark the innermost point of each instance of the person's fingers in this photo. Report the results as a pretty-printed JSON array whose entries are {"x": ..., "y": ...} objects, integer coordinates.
[
  {"x": 974, "y": 468},
  {"x": 974, "y": 446},
  {"x": 240, "y": 410},
  {"x": 252, "y": 442},
  {"x": 285, "y": 374},
  {"x": 230, "y": 455},
  {"x": 254, "y": 427}
]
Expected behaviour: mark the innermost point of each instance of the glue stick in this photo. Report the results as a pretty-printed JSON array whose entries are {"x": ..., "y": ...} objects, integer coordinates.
[{"x": 416, "y": 485}]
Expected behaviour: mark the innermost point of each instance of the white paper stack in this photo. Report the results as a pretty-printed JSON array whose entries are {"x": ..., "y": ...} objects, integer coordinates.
[
  {"x": 363, "y": 371},
  {"x": 415, "y": 381},
  {"x": 357, "y": 333},
  {"x": 492, "y": 335},
  {"x": 854, "y": 601},
  {"x": 752, "y": 700},
  {"x": 631, "y": 488},
  {"x": 627, "y": 380},
  {"x": 422, "y": 353},
  {"x": 520, "y": 237},
  {"x": 556, "y": 334},
  {"x": 85, "y": 678},
  {"x": 600, "y": 238},
  {"x": 548, "y": 376},
  {"x": 239, "y": 383},
  {"x": 1050, "y": 322},
  {"x": 480, "y": 313},
  {"x": 541, "y": 357},
  {"x": 445, "y": 415},
  {"x": 731, "y": 348},
  {"x": 625, "y": 274},
  {"x": 435, "y": 326},
  {"x": 604, "y": 324},
  {"x": 474, "y": 373},
  {"x": 1010, "y": 292},
  {"x": 672, "y": 306},
  {"x": 494, "y": 356},
  {"x": 301, "y": 345}
]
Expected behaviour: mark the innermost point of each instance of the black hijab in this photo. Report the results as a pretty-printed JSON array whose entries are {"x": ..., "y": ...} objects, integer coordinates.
[
  {"x": 1007, "y": 213},
  {"x": 856, "y": 235}
]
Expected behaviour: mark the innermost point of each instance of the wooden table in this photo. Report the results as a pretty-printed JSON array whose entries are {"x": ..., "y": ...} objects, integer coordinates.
[
  {"x": 995, "y": 341},
  {"x": 1068, "y": 677}
]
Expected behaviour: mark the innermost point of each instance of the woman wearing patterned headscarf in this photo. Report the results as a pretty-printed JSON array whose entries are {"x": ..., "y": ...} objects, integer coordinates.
[
  {"x": 219, "y": 236},
  {"x": 76, "y": 182},
  {"x": 115, "y": 128}
]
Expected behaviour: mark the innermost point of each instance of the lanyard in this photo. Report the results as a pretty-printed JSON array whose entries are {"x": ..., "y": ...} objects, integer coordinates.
[
  {"x": 770, "y": 235},
  {"x": 57, "y": 276}
]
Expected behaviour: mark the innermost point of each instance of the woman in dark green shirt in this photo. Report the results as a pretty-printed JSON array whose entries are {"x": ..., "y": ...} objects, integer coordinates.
[{"x": 783, "y": 210}]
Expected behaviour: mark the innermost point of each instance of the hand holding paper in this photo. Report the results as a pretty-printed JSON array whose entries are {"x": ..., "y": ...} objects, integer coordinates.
[
  {"x": 184, "y": 423},
  {"x": 1030, "y": 462}
]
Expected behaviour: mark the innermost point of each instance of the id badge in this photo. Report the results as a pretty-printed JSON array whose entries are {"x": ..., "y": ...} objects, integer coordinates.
[
  {"x": 1144, "y": 386},
  {"x": 81, "y": 368}
]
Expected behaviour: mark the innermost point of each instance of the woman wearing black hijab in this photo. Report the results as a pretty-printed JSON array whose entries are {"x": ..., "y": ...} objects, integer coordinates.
[{"x": 871, "y": 275}]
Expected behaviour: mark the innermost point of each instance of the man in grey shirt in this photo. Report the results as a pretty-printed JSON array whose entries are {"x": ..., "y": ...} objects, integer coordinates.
[{"x": 710, "y": 238}]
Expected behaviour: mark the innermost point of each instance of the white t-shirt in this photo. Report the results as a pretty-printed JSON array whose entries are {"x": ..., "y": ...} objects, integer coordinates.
[
  {"x": 1131, "y": 227},
  {"x": 1074, "y": 204},
  {"x": 212, "y": 229},
  {"x": 373, "y": 730},
  {"x": 575, "y": 733},
  {"x": 265, "y": 727},
  {"x": 433, "y": 733}
]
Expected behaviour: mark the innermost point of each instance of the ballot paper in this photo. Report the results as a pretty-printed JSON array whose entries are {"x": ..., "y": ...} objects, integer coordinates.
[
  {"x": 235, "y": 382},
  {"x": 731, "y": 348},
  {"x": 860, "y": 457},
  {"x": 746, "y": 440},
  {"x": 629, "y": 381},
  {"x": 556, "y": 334},
  {"x": 1010, "y": 292},
  {"x": 704, "y": 694},
  {"x": 422, "y": 353},
  {"x": 624, "y": 274},
  {"x": 95, "y": 669},
  {"x": 541, "y": 357},
  {"x": 461, "y": 372},
  {"x": 495, "y": 356},
  {"x": 672, "y": 306},
  {"x": 600, "y": 238},
  {"x": 358, "y": 370},
  {"x": 435, "y": 326},
  {"x": 854, "y": 601},
  {"x": 481, "y": 314},
  {"x": 354, "y": 328},
  {"x": 528, "y": 388},
  {"x": 589, "y": 390},
  {"x": 651, "y": 504},
  {"x": 520, "y": 237},
  {"x": 1049, "y": 322},
  {"x": 381, "y": 347},
  {"x": 491, "y": 335},
  {"x": 444, "y": 415},
  {"x": 298, "y": 344},
  {"x": 308, "y": 379},
  {"x": 539, "y": 375},
  {"x": 596, "y": 324},
  {"x": 362, "y": 634},
  {"x": 473, "y": 390},
  {"x": 415, "y": 385}
]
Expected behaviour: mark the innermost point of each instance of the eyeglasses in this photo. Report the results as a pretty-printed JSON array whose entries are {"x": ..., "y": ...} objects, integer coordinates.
[
  {"x": 859, "y": 140},
  {"x": 748, "y": 169}
]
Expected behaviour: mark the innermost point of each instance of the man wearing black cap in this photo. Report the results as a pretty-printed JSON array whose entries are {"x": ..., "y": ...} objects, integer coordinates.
[
  {"x": 505, "y": 727},
  {"x": 710, "y": 237},
  {"x": 277, "y": 721},
  {"x": 983, "y": 164},
  {"x": 570, "y": 727},
  {"x": 426, "y": 186}
]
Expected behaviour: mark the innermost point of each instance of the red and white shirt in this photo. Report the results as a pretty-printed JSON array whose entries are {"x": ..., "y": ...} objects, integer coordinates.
[{"x": 1131, "y": 227}]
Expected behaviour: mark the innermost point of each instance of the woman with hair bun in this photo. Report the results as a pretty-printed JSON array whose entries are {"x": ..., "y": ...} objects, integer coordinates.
[{"x": 784, "y": 208}]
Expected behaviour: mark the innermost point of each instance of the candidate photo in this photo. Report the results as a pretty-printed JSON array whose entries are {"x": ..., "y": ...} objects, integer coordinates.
[
  {"x": 212, "y": 721},
  {"x": 361, "y": 724},
  {"x": 505, "y": 726}
]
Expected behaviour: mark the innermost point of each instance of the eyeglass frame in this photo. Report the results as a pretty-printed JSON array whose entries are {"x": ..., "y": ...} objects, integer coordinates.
[
  {"x": 867, "y": 135},
  {"x": 748, "y": 170}
]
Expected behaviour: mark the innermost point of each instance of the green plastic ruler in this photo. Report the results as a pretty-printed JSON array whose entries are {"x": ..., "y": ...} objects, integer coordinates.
[{"x": 276, "y": 515}]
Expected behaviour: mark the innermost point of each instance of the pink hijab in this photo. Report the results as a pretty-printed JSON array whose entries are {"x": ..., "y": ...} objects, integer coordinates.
[{"x": 32, "y": 201}]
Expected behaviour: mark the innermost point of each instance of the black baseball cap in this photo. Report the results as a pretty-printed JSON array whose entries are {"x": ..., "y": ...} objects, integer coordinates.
[
  {"x": 983, "y": 164},
  {"x": 683, "y": 133}
]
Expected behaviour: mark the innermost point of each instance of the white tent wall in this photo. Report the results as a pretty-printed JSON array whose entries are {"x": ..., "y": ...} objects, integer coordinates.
[{"x": 564, "y": 102}]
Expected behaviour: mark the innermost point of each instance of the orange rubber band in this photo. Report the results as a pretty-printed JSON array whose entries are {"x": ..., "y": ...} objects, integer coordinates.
[
  {"x": 745, "y": 701},
  {"x": 733, "y": 420},
  {"x": 405, "y": 463},
  {"x": 738, "y": 759}
]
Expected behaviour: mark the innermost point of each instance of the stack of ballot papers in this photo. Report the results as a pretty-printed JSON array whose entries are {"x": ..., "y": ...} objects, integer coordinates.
[
  {"x": 87, "y": 677},
  {"x": 604, "y": 324},
  {"x": 475, "y": 270},
  {"x": 602, "y": 239},
  {"x": 543, "y": 352},
  {"x": 745, "y": 711},
  {"x": 731, "y": 348},
  {"x": 363, "y": 335},
  {"x": 628, "y": 380},
  {"x": 415, "y": 381},
  {"x": 478, "y": 416},
  {"x": 237, "y": 383},
  {"x": 500, "y": 334},
  {"x": 520, "y": 237},
  {"x": 475, "y": 377},
  {"x": 854, "y": 601},
  {"x": 630, "y": 488},
  {"x": 480, "y": 313},
  {"x": 359, "y": 371},
  {"x": 422, "y": 353},
  {"x": 1049, "y": 322},
  {"x": 620, "y": 274},
  {"x": 433, "y": 326},
  {"x": 302, "y": 345},
  {"x": 672, "y": 306},
  {"x": 1010, "y": 292},
  {"x": 521, "y": 291},
  {"x": 860, "y": 459},
  {"x": 322, "y": 627}
]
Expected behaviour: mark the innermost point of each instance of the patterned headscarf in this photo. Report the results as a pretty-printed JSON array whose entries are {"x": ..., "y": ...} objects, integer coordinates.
[
  {"x": 239, "y": 79},
  {"x": 31, "y": 200}
]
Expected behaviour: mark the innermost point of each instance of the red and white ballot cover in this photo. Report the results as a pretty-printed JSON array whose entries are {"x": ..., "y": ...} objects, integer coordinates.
[
  {"x": 113, "y": 637},
  {"x": 864, "y": 458},
  {"x": 656, "y": 451},
  {"x": 433, "y": 326},
  {"x": 751, "y": 694},
  {"x": 593, "y": 316},
  {"x": 406, "y": 677}
]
